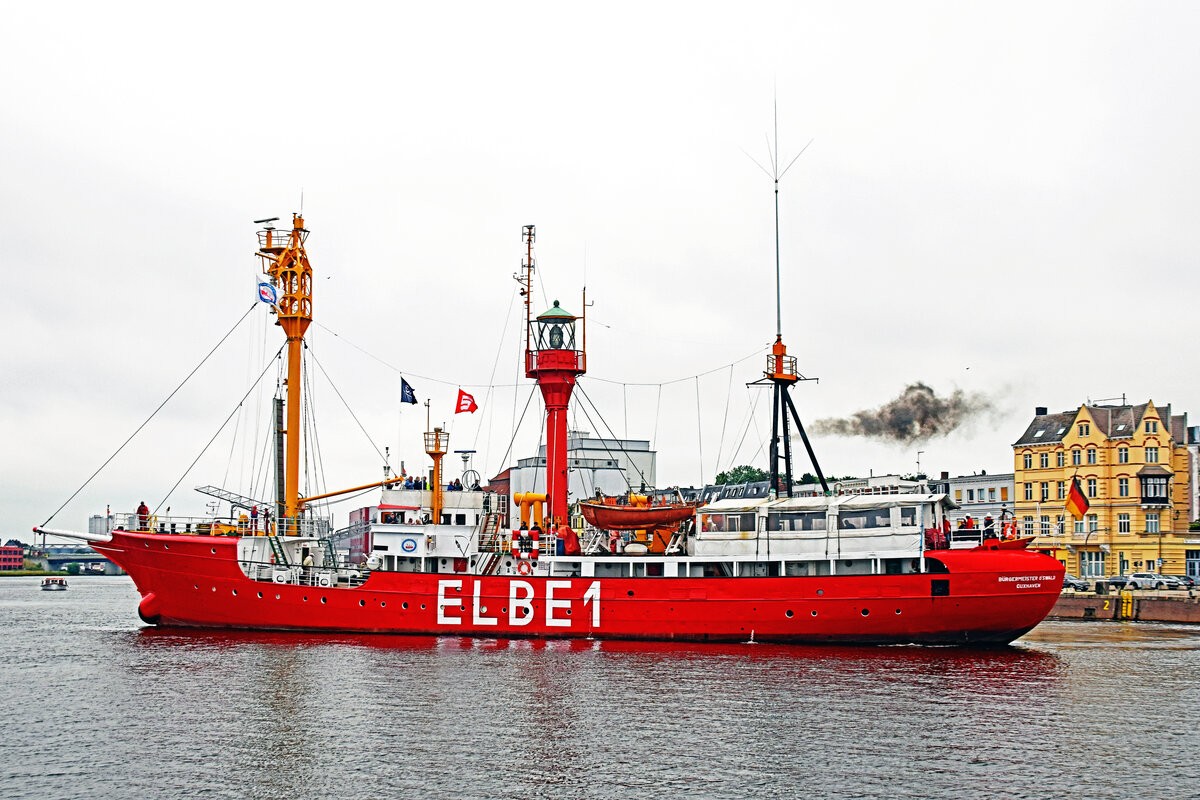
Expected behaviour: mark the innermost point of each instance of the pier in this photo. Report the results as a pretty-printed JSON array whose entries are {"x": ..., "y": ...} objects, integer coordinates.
[{"x": 1129, "y": 606}]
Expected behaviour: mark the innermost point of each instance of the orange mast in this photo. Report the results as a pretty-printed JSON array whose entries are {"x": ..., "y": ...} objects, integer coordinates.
[{"x": 286, "y": 263}]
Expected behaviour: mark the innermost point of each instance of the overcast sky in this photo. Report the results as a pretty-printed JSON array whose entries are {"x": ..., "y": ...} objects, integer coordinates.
[{"x": 999, "y": 198}]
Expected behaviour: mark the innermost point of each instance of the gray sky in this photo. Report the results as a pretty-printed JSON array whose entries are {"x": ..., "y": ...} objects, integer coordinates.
[{"x": 999, "y": 198}]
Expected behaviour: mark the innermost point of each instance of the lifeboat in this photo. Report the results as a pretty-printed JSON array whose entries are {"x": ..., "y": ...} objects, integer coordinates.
[{"x": 635, "y": 517}]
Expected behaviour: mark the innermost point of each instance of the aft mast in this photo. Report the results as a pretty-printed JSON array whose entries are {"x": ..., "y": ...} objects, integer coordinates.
[{"x": 286, "y": 263}]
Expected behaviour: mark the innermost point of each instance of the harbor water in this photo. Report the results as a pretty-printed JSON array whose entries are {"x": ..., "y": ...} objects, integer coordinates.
[{"x": 99, "y": 705}]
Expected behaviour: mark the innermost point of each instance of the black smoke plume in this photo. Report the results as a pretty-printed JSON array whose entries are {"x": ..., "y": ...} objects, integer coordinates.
[{"x": 916, "y": 415}]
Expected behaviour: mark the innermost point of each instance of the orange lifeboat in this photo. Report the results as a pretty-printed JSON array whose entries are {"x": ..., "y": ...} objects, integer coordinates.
[{"x": 635, "y": 517}]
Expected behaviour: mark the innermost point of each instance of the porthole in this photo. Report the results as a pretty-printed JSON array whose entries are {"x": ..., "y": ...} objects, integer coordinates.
[
  {"x": 865, "y": 612},
  {"x": 568, "y": 612},
  {"x": 383, "y": 604},
  {"x": 788, "y": 613},
  {"x": 166, "y": 546},
  {"x": 195, "y": 586},
  {"x": 897, "y": 611},
  {"x": 276, "y": 597},
  {"x": 813, "y": 613},
  {"x": 422, "y": 606},
  {"x": 235, "y": 592},
  {"x": 630, "y": 593},
  {"x": 504, "y": 610},
  {"x": 362, "y": 602},
  {"x": 213, "y": 550},
  {"x": 305, "y": 598},
  {"x": 323, "y": 600},
  {"x": 146, "y": 543},
  {"x": 404, "y": 605},
  {"x": 820, "y": 591},
  {"x": 214, "y": 588},
  {"x": 260, "y": 595},
  {"x": 462, "y": 608},
  {"x": 483, "y": 609}
]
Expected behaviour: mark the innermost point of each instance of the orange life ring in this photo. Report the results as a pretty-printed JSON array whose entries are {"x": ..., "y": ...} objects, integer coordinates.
[{"x": 524, "y": 567}]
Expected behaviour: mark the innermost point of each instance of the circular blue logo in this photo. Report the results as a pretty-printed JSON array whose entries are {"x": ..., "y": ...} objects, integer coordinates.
[{"x": 408, "y": 545}]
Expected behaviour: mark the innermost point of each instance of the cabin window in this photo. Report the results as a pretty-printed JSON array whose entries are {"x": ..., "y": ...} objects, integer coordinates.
[
  {"x": 460, "y": 519},
  {"x": 859, "y": 520},
  {"x": 731, "y": 522},
  {"x": 796, "y": 521},
  {"x": 908, "y": 515}
]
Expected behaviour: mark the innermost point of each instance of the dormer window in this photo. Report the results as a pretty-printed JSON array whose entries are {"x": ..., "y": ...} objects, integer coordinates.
[
  {"x": 1038, "y": 435},
  {"x": 1061, "y": 431},
  {"x": 1151, "y": 426},
  {"x": 1121, "y": 427},
  {"x": 1084, "y": 429}
]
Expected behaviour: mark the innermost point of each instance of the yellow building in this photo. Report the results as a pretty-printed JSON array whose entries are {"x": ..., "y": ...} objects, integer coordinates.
[{"x": 1132, "y": 463}]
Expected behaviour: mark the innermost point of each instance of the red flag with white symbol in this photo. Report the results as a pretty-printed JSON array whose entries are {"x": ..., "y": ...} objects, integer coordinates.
[{"x": 465, "y": 403}]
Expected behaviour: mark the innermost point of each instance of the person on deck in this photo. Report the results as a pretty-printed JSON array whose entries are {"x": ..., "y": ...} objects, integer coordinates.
[
  {"x": 946, "y": 526},
  {"x": 567, "y": 535},
  {"x": 254, "y": 519},
  {"x": 307, "y": 563},
  {"x": 970, "y": 523},
  {"x": 988, "y": 526},
  {"x": 143, "y": 515}
]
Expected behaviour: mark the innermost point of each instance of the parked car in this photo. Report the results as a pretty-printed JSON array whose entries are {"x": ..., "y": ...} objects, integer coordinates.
[
  {"x": 1186, "y": 581},
  {"x": 1078, "y": 584},
  {"x": 1152, "y": 580},
  {"x": 1116, "y": 581}
]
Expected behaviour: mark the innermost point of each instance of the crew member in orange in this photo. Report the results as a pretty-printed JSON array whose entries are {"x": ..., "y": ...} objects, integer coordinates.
[
  {"x": 566, "y": 534},
  {"x": 143, "y": 515}
]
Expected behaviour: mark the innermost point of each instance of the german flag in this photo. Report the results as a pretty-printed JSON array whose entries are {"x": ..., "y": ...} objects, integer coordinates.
[{"x": 1077, "y": 502}]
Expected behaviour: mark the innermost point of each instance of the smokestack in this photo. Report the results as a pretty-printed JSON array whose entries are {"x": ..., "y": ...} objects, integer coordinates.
[
  {"x": 916, "y": 415},
  {"x": 945, "y": 475},
  {"x": 1040, "y": 411}
]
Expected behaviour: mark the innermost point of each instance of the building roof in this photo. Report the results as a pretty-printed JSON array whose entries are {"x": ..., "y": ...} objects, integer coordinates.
[
  {"x": 556, "y": 312},
  {"x": 1153, "y": 470},
  {"x": 1047, "y": 428}
]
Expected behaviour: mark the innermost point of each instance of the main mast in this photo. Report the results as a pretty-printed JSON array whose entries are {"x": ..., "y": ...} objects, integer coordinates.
[
  {"x": 286, "y": 263},
  {"x": 552, "y": 360}
]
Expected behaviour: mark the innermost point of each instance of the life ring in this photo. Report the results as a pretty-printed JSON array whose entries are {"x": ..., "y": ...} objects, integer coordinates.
[{"x": 524, "y": 567}]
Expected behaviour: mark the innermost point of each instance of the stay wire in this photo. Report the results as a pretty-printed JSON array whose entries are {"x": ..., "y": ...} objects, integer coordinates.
[
  {"x": 611, "y": 433},
  {"x": 152, "y": 415},
  {"x": 604, "y": 444},
  {"x": 517, "y": 427},
  {"x": 203, "y": 450},
  {"x": 317, "y": 361}
]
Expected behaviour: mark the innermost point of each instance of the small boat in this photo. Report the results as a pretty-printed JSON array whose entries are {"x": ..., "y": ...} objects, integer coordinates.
[
  {"x": 54, "y": 584},
  {"x": 635, "y": 517}
]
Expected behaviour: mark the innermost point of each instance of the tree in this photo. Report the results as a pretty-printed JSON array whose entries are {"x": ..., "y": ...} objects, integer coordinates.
[
  {"x": 743, "y": 474},
  {"x": 73, "y": 568}
]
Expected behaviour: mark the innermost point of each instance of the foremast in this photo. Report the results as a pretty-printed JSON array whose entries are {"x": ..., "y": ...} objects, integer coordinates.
[{"x": 285, "y": 262}]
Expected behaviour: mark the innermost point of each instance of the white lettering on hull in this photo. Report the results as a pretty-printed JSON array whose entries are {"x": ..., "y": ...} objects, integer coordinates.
[{"x": 520, "y": 603}]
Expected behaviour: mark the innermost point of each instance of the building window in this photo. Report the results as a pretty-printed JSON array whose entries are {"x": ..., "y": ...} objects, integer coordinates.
[
  {"x": 1028, "y": 461},
  {"x": 1093, "y": 523},
  {"x": 1091, "y": 565},
  {"x": 1058, "y": 524},
  {"x": 958, "y": 495},
  {"x": 1029, "y": 491},
  {"x": 1151, "y": 455},
  {"x": 1151, "y": 427},
  {"x": 1045, "y": 491},
  {"x": 1091, "y": 487},
  {"x": 1079, "y": 526},
  {"x": 1122, "y": 455},
  {"x": 1027, "y": 525},
  {"x": 1044, "y": 526},
  {"x": 1004, "y": 494},
  {"x": 992, "y": 495},
  {"x": 1154, "y": 489},
  {"x": 970, "y": 495},
  {"x": 1084, "y": 429},
  {"x": 1122, "y": 487},
  {"x": 1152, "y": 523},
  {"x": 1062, "y": 458},
  {"x": 1062, "y": 490},
  {"x": 1075, "y": 458},
  {"x": 1122, "y": 523},
  {"x": 1091, "y": 455},
  {"x": 1044, "y": 460}
]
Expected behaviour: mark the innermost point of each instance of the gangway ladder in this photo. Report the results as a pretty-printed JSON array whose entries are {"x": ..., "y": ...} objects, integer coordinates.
[
  {"x": 278, "y": 552},
  {"x": 489, "y": 544}
]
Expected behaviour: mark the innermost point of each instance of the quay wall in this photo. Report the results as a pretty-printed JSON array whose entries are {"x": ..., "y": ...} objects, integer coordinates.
[{"x": 1127, "y": 606}]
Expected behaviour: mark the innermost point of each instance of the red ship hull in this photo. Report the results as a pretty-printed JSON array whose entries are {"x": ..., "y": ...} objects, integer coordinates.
[{"x": 991, "y": 597}]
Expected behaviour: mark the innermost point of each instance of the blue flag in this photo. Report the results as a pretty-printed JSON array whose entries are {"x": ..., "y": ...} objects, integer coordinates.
[{"x": 406, "y": 393}]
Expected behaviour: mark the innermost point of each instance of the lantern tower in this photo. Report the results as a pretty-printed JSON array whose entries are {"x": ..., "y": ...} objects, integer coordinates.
[{"x": 554, "y": 358}]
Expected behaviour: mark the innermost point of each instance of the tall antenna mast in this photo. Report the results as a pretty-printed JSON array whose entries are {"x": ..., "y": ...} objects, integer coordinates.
[{"x": 781, "y": 368}]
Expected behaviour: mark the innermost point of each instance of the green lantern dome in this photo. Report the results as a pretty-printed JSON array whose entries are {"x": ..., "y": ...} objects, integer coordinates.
[{"x": 557, "y": 313}]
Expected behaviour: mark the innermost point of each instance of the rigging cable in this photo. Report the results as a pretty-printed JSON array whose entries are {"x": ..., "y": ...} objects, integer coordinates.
[
  {"x": 517, "y": 427},
  {"x": 724, "y": 421},
  {"x": 152, "y": 415},
  {"x": 317, "y": 361},
  {"x": 236, "y": 409},
  {"x": 699, "y": 430},
  {"x": 605, "y": 446},
  {"x": 611, "y": 433}
]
